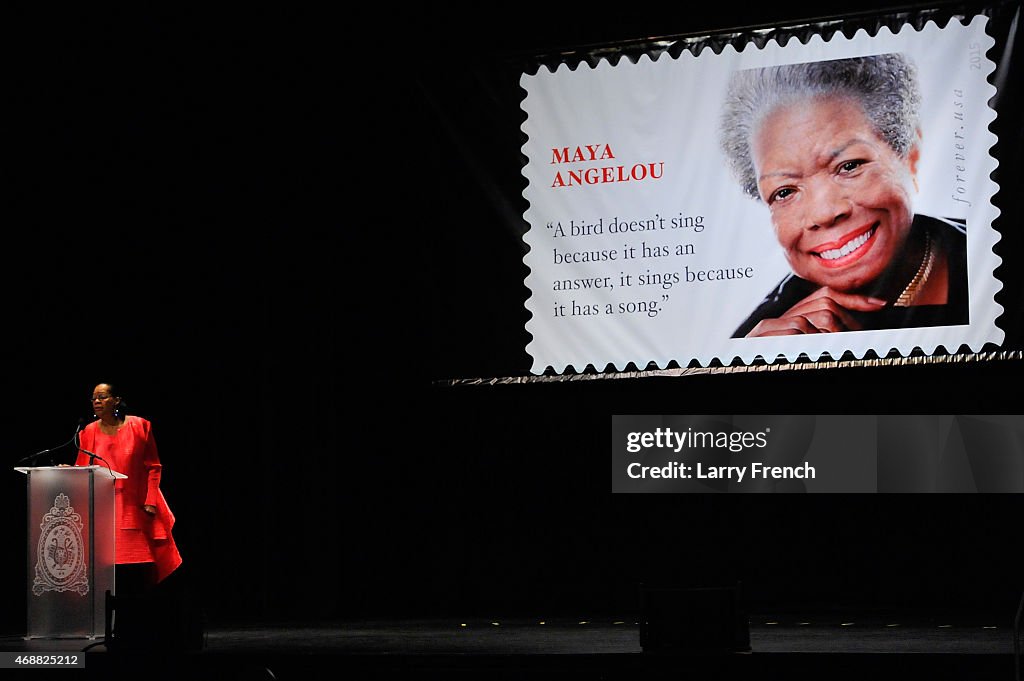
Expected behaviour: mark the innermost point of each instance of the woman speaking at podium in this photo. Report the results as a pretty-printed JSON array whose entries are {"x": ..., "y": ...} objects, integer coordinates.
[{"x": 144, "y": 549}]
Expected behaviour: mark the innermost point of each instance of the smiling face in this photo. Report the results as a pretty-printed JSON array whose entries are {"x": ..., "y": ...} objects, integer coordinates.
[{"x": 840, "y": 197}]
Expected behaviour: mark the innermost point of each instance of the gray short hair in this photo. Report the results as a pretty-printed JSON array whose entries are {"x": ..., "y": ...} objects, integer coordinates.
[{"x": 885, "y": 85}]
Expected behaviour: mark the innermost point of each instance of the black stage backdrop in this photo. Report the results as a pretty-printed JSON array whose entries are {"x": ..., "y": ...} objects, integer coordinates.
[{"x": 211, "y": 211}]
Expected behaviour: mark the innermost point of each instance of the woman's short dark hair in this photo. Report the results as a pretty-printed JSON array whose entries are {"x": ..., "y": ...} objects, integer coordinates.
[{"x": 885, "y": 85}]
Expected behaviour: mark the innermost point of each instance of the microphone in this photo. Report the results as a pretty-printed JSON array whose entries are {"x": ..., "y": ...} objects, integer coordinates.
[
  {"x": 31, "y": 457},
  {"x": 93, "y": 456},
  {"x": 74, "y": 438}
]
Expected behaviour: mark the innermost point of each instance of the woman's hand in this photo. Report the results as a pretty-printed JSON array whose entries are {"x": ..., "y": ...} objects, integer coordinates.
[
  {"x": 824, "y": 311},
  {"x": 149, "y": 508}
]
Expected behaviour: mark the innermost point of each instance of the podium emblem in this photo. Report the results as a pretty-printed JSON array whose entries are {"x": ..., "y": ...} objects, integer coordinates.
[{"x": 60, "y": 554}]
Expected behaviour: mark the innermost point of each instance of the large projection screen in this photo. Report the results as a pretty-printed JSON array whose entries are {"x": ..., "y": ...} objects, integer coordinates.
[
  {"x": 650, "y": 242},
  {"x": 645, "y": 248}
]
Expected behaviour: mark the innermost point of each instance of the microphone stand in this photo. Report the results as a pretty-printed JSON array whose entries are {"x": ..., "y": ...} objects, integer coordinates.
[{"x": 93, "y": 456}]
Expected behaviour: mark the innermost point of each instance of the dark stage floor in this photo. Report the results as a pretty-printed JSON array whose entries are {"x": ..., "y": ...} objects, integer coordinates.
[{"x": 781, "y": 647}]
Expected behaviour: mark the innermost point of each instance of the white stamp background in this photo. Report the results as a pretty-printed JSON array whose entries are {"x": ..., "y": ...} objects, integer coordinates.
[{"x": 666, "y": 110}]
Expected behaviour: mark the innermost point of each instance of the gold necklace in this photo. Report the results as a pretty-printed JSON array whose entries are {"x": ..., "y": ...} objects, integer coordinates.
[{"x": 913, "y": 289}]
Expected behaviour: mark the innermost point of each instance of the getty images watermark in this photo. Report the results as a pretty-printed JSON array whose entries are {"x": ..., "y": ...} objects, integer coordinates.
[
  {"x": 675, "y": 441},
  {"x": 818, "y": 453}
]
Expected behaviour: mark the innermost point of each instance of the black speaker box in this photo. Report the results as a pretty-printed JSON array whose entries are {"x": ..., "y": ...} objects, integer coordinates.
[{"x": 693, "y": 620}]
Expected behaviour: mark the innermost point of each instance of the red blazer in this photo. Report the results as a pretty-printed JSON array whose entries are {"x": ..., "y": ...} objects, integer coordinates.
[{"x": 132, "y": 451}]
